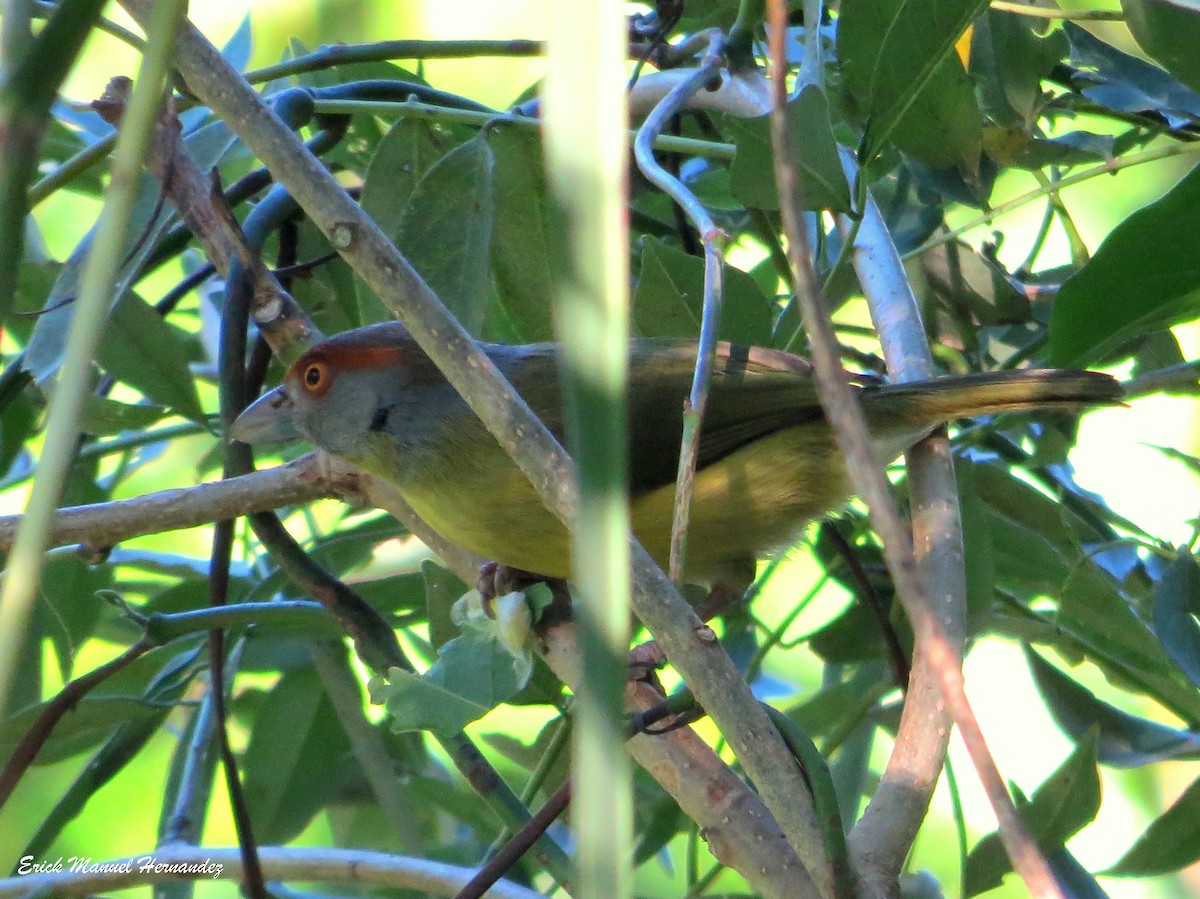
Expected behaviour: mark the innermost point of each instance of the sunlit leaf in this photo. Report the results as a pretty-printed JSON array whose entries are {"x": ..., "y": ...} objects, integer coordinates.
[
  {"x": 899, "y": 66},
  {"x": 1143, "y": 278},
  {"x": 297, "y": 749},
  {"x": 1122, "y": 740},
  {"x": 1169, "y": 30},
  {"x": 1065, "y": 802},
  {"x": 1171, "y": 842}
]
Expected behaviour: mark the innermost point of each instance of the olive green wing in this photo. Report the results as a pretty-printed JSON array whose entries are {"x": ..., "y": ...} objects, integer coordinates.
[{"x": 753, "y": 392}]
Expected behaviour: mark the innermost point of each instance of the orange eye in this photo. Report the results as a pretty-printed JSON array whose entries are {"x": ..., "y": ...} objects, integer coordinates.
[{"x": 315, "y": 377}]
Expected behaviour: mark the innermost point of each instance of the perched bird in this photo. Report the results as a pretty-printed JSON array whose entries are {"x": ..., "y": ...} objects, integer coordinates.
[{"x": 767, "y": 462}]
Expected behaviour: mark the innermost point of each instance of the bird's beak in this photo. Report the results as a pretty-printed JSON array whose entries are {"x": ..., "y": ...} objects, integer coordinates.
[{"x": 270, "y": 419}]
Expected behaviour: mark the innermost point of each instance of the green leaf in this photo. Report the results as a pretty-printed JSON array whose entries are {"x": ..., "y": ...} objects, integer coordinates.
[
  {"x": 403, "y": 157},
  {"x": 89, "y": 723},
  {"x": 1061, "y": 807},
  {"x": 526, "y": 240},
  {"x": 396, "y": 595},
  {"x": 297, "y": 749},
  {"x": 669, "y": 298},
  {"x": 446, "y": 229},
  {"x": 1125, "y": 83},
  {"x": 1144, "y": 277},
  {"x": 338, "y": 552},
  {"x": 822, "y": 180},
  {"x": 1168, "y": 30},
  {"x": 442, "y": 589},
  {"x": 237, "y": 49},
  {"x": 118, "y": 751},
  {"x": 59, "y": 144},
  {"x": 17, "y": 426},
  {"x": 964, "y": 279},
  {"x": 328, "y": 294},
  {"x": 1176, "y": 607},
  {"x": 1038, "y": 550},
  {"x": 1123, "y": 740},
  {"x": 1010, "y": 59},
  {"x": 102, "y": 416},
  {"x": 978, "y": 552},
  {"x": 145, "y": 352},
  {"x": 44, "y": 353},
  {"x": 854, "y": 636},
  {"x": 69, "y": 588},
  {"x": 1097, "y": 613},
  {"x": 899, "y": 67},
  {"x": 1171, "y": 842},
  {"x": 132, "y": 695},
  {"x": 401, "y": 160},
  {"x": 472, "y": 675}
]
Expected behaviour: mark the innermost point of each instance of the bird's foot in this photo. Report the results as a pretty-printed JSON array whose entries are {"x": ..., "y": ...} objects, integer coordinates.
[
  {"x": 645, "y": 660},
  {"x": 498, "y": 580}
]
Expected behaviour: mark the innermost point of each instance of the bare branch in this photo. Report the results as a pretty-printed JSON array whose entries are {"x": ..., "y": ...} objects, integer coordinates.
[{"x": 106, "y": 524}]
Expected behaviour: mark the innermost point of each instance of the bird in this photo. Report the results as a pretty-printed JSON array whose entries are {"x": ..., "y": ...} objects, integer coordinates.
[{"x": 767, "y": 465}]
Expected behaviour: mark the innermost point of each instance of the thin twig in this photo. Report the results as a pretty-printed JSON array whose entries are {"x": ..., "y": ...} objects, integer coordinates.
[
  {"x": 522, "y": 841},
  {"x": 869, "y": 596},
  {"x": 254, "y": 883},
  {"x": 1180, "y": 378},
  {"x": 415, "y": 110},
  {"x": 342, "y": 54},
  {"x": 54, "y": 710}
]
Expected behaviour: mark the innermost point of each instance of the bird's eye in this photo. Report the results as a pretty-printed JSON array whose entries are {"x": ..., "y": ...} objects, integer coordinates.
[{"x": 316, "y": 376}]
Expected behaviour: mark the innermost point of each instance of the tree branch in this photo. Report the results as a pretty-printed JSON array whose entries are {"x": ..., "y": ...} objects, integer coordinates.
[
  {"x": 884, "y": 835},
  {"x": 106, "y": 524}
]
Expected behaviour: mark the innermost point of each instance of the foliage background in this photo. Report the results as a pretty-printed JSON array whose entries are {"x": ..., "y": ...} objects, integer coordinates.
[{"x": 1159, "y": 494}]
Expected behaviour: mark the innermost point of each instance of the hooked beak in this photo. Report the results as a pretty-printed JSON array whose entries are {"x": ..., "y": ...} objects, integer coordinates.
[{"x": 269, "y": 419}]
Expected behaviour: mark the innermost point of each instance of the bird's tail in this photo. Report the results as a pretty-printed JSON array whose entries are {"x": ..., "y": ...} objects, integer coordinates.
[{"x": 966, "y": 396}]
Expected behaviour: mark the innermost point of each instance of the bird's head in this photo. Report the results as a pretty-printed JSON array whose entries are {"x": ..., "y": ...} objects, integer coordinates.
[{"x": 345, "y": 391}]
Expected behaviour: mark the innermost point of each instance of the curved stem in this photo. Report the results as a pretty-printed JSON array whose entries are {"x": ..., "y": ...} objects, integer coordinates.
[
  {"x": 712, "y": 238},
  {"x": 417, "y": 110}
]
